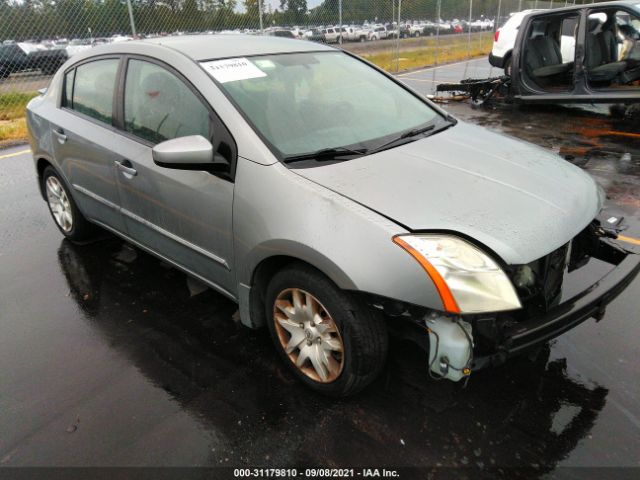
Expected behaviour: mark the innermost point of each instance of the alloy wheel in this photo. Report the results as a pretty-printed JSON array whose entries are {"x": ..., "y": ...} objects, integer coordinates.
[
  {"x": 308, "y": 335},
  {"x": 59, "y": 204}
]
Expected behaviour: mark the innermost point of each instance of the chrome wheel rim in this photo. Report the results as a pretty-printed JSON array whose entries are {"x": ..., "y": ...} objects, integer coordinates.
[
  {"x": 308, "y": 335},
  {"x": 59, "y": 204}
]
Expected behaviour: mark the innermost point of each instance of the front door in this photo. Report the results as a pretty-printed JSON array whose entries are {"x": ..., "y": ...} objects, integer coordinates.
[
  {"x": 546, "y": 63},
  {"x": 185, "y": 216}
]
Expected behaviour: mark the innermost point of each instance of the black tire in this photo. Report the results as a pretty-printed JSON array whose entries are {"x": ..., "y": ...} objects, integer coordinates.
[
  {"x": 81, "y": 229},
  {"x": 363, "y": 330},
  {"x": 508, "y": 67}
]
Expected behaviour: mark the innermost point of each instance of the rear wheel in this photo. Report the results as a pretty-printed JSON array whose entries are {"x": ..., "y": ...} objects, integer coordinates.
[
  {"x": 332, "y": 341},
  {"x": 63, "y": 208}
]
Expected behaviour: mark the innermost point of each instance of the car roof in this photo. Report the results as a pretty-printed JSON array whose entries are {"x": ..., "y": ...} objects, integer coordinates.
[
  {"x": 610, "y": 4},
  {"x": 211, "y": 47}
]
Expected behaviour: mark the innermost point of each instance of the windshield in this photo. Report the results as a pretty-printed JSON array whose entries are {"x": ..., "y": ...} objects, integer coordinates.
[{"x": 305, "y": 102}]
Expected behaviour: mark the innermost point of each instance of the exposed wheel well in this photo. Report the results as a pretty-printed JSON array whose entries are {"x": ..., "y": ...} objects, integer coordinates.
[
  {"x": 41, "y": 164},
  {"x": 260, "y": 279}
]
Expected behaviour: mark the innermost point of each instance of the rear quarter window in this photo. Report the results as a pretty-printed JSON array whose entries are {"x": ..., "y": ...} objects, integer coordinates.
[{"x": 68, "y": 88}]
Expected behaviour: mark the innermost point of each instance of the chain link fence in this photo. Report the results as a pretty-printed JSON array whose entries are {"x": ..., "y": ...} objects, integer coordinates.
[{"x": 37, "y": 36}]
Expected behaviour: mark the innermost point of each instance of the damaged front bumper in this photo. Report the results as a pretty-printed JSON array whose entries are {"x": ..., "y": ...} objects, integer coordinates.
[
  {"x": 457, "y": 345},
  {"x": 590, "y": 303}
]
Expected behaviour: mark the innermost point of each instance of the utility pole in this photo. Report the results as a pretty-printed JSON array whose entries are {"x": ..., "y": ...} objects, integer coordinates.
[
  {"x": 398, "y": 38},
  {"x": 131, "y": 21},
  {"x": 438, "y": 15},
  {"x": 466, "y": 65},
  {"x": 260, "y": 13},
  {"x": 470, "y": 20},
  {"x": 340, "y": 20}
]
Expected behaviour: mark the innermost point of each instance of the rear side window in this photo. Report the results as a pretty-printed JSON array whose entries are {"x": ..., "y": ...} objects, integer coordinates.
[
  {"x": 93, "y": 89},
  {"x": 158, "y": 106}
]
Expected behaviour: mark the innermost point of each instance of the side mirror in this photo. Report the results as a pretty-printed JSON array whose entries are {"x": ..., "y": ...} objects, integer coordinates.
[{"x": 189, "y": 153}]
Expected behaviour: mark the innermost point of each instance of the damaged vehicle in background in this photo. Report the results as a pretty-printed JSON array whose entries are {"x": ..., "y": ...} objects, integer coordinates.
[
  {"x": 260, "y": 166},
  {"x": 583, "y": 54},
  {"x": 23, "y": 56}
]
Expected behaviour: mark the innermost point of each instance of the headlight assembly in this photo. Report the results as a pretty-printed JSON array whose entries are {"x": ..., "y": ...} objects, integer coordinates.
[{"x": 467, "y": 279}]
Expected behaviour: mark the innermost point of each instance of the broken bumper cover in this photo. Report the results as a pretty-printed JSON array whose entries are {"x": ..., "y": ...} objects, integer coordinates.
[{"x": 590, "y": 303}]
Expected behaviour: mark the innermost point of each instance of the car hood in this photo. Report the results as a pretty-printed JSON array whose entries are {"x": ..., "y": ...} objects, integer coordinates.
[{"x": 519, "y": 200}]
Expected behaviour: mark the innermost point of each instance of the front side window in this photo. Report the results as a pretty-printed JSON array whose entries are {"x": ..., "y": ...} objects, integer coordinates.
[
  {"x": 305, "y": 102},
  {"x": 158, "y": 106},
  {"x": 93, "y": 89}
]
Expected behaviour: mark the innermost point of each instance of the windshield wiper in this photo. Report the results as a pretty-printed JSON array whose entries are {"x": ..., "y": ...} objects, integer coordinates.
[
  {"x": 325, "y": 154},
  {"x": 414, "y": 132}
]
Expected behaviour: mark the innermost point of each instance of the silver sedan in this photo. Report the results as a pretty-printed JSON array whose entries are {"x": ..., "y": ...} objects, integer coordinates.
[{"x": 331, "y": 202}]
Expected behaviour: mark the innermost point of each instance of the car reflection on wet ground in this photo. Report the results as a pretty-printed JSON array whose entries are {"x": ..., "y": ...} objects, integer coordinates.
[{"x": 109, "y": 357}]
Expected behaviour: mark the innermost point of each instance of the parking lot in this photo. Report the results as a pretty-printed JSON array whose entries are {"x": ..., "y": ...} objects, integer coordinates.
[{"x": 111, "y": 358}]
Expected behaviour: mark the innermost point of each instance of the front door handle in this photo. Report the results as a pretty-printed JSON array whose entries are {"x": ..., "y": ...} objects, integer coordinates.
[
  {"x": 125, "y": 167},
  {"x": 58, "y": 132}
]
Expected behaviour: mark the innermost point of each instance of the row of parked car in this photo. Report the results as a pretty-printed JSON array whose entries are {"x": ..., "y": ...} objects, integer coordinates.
[
  {"x": 372, "y": 32},
  {"x": 48, "y": 55}
]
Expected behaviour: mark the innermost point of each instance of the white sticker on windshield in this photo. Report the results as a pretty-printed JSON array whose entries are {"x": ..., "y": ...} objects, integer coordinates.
[{"x": 232, "y": 70}]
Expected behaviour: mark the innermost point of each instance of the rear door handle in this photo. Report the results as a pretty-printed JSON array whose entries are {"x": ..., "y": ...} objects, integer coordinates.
[
  {"x": 125, "y": 167},
  {"x": 58, "y": 132}
]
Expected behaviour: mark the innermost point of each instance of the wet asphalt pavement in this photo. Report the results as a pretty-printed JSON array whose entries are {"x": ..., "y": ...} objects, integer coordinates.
[{"x": 110, "y": 358}]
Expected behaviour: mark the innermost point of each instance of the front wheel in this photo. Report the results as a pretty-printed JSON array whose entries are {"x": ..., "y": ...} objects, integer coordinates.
[{"x": 331, "y": 340}]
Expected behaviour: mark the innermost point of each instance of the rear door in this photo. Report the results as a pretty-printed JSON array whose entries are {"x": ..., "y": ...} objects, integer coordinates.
[
  {"x": 545, "y": 65},
  {"x": 612, "y": 53},
  {"x": 185, "y": 216},
  {"x": 83, "y": 136}
]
